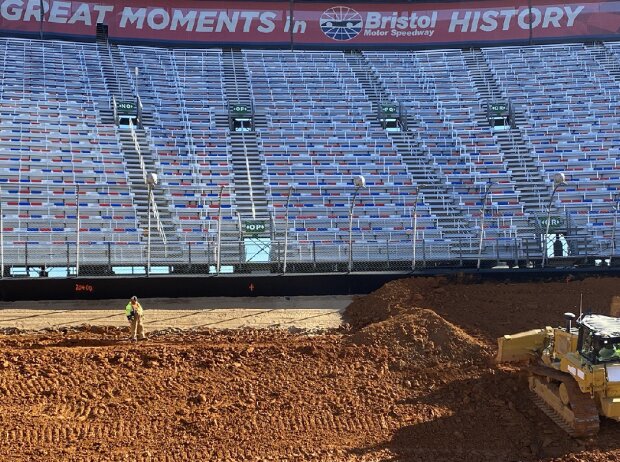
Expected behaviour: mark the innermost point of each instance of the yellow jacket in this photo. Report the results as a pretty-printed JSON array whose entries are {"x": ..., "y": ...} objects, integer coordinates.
[{"x": 130, "y": 309}]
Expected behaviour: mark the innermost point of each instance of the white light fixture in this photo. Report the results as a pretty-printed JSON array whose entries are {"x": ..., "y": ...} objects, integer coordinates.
[
  {"x": 151, "y": 179},
  {"x": 559, "y": 179},
  {"x": 359, "y": 181}
]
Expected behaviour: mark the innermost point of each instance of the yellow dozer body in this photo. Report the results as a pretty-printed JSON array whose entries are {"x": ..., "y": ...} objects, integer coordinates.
[{"x": 574, "y": 373}]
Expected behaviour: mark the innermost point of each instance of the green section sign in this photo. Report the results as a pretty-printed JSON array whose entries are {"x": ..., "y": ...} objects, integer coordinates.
[
  {"x": 389, "y": 109},
  {"x": 240, "y": 109},
  {"x": 126, "y": 107},
  {"x": 254, "y": 227},
  {"x": 498, "y": 108},
  {"x": 555, "y": 223}
]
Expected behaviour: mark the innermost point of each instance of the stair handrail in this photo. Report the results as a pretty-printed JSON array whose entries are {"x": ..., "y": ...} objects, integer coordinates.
[
  {"x": 248, "y": 173},
  {"x": 373, "y": 79},
  {"x": 511, "y": 115},
  {"x": 234, "y": 69},
  {"x": 159, "y": 224},
  {"x": 154, "y": 210},
  {"x": 139, "y": 104},
  {"x": 118, "y": 81},
  {"x": 402, "y": 115},
  {"x": 137, "y": 148},
  {"x": 115, "y": 110},
  {"x": 188, "y": 131},
  {"x": 438, "y": 178}
]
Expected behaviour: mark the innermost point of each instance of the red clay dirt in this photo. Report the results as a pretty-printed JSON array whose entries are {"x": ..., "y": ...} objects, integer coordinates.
[{"x": 411, "y": 379}]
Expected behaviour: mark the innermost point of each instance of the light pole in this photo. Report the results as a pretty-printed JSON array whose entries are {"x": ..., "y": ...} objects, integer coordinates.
[
  {"x": 359, "y": 182},
  {"x": 151, "y": 182},
  {"x": 613, "y": 231},
  {"x": 288, "y": 199},
  {"x": 415, "y": 224},
  {"x": 483, "y": 211},
  {"x": 77, "y": 230},
  {"x": 558, "y": 180},
  {"x": 219, "y": 230}
]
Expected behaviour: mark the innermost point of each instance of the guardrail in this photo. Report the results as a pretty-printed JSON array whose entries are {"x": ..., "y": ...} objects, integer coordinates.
[{"x": 266, "y": 254}]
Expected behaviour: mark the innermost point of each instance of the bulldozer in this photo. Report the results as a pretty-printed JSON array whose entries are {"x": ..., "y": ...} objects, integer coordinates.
[{"x": 573, "y": 371}]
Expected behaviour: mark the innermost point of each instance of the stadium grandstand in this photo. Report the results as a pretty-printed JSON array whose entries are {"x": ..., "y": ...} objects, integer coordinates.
[{"x": 296, "y": 137}]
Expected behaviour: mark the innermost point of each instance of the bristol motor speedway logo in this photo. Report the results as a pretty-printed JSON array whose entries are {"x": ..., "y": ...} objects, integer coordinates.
[{"x": 341, "y": 23}]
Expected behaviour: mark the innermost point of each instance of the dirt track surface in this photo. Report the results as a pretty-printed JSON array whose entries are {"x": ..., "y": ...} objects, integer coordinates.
[
  {"x": 291, "y": 313},
  {"x": 411, "y": 380}
]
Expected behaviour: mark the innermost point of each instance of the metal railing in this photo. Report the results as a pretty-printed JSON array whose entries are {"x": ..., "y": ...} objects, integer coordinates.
[
  {"x": 152, "y": 203},
  {"x": 115, "y": 110},
  {"x": 277, "y": 255}
]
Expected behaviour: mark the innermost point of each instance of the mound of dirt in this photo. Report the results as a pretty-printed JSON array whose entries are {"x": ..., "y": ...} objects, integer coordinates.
[
  {"x": 393, "y": 298},
  {"x": 423, "y": 337},
  {"x": 488, "y": 309}
]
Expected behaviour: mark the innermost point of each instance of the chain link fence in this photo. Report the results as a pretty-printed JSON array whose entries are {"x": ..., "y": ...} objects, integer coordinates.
[{"x": 254, "y": 253}]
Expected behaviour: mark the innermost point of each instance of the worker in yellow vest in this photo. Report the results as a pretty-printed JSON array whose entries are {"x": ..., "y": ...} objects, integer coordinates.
[{"x": 135, "y": 315}]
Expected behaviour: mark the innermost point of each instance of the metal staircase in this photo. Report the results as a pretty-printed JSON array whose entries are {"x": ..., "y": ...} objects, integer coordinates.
[
  {"x": 417, "y": 159},
  {"x": 533, "y": 191},
  {"x": 114, "y": 75},
  {"x": 250, "y": 192},
  {"x": 245, "y": 151},
  {"x": 109, "y": 72},
  {"x": 236, "y": 83},
  {"x": 482, "y": 77},
  {"x": 605, "y": 58},
  {"x": 134, "y": 144},
  {"x": 139, "y": 162}
]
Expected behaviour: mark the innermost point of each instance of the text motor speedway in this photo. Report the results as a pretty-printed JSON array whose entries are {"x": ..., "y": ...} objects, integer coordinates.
[{"x": 323, "y": 23}]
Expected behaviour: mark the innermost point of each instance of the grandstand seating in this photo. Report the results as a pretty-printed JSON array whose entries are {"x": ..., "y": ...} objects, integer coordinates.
[
  {"x": 320, "y": 132},
  {"x": 52, "y": 140},
  {"x": 442, "y": 102},
  {"x": 318, "y": 138},
  {"x": 183, "y": 91},
  {"x": 571, "y": 105}
]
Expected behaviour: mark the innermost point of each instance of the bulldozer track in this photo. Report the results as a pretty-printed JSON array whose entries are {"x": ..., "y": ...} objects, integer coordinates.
[{"x": 586, "y": 419}]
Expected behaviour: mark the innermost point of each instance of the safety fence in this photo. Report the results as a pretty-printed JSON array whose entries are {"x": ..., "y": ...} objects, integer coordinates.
[{"x": 273, "y": 256}]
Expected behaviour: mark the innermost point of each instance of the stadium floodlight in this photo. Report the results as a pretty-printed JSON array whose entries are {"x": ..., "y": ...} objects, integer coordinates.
[
  {"x": 487, "y": 190},
  {"x": 558, "y": 180},
  {"x": 415, "y": 225},
  {"x": 288, "y": 200},
  {"x": 152, "y": 179},
  {"x": 359, "y": 182},
  {"x": 151, "y": 182}
]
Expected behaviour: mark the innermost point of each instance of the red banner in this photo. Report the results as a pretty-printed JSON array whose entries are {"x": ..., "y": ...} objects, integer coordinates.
[{"x": 353, "y": 25}]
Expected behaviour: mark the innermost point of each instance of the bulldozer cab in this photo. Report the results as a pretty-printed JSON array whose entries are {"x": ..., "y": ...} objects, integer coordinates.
[{"x": 599, "y": 338}]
